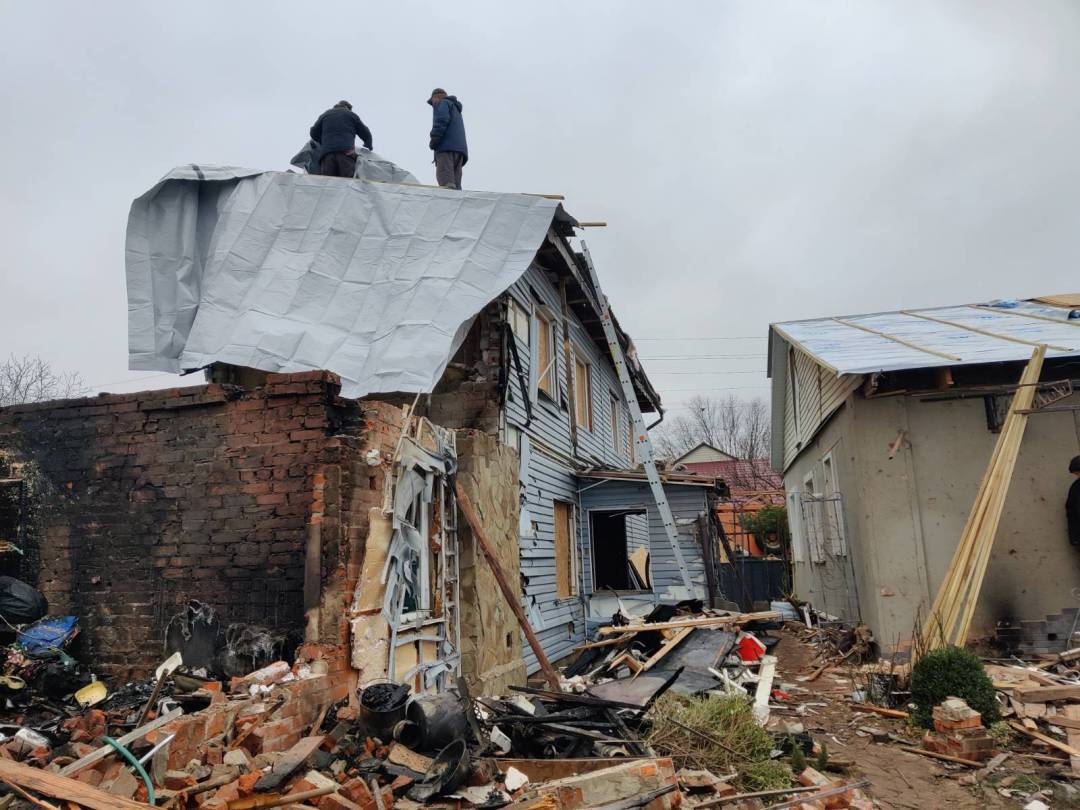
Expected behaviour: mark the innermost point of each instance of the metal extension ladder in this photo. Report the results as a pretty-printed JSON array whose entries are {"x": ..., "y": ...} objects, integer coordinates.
[{"x": 643, "y": 449}]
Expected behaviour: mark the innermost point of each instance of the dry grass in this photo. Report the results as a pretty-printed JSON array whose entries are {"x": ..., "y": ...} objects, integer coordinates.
[{"x": 746, "y": 747}]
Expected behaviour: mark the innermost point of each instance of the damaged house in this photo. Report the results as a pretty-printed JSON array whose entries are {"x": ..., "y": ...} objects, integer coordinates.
[
  {"x": 883, "y": 425},
  {"x": 366, "y": 345}
]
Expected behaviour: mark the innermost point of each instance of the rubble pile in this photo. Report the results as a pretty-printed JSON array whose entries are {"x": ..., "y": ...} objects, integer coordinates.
[{"x": 657, "y": 711}]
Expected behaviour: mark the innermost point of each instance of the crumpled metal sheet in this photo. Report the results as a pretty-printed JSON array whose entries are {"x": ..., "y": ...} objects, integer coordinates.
[{"x": 376, "y": 282}]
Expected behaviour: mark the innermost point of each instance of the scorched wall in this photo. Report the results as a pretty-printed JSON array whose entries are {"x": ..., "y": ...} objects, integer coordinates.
[{"x": 139, "y": 502}]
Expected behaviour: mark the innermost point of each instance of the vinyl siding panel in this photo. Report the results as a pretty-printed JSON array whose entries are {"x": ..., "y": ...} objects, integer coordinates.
[
  {"x": 549, "y": 461},
  {"x": 812, "y": 395}
]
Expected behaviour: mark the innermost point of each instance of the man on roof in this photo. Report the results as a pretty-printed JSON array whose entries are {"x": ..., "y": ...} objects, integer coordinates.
[
  {"x": 447, "y": 138},
  {"x": 335, "y": 131}
]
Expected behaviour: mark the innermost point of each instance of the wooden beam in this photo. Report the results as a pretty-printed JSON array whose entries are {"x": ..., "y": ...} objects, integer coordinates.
[
  {"x": 104, "y": 751},
  {"x": 987, "y": 332},
  {"x": 667, "y": 647},
  {"x": 61, "y": 787},
  {"x": 707, "y": 621},
  {"x": 945, "y": 757},
  {"x": 895, "y": 339},
  {"x": 512, "y": 599},
  {"x": 1015, "y": 313},
  {"x": 1058, "y": 744},
  {"x": 1047, "y": 694},
  {"x": 949, "y": 619}
]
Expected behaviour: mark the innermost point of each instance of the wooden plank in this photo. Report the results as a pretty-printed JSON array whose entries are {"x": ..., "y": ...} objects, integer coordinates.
[
  {"x": 130, "y": 737},
  {"x": 1072, "y": 732},
  {"x": 283, "y": 768},
  {"x": 764, "y": 688},
  {"x": 707, "y": 621},
  {"x": 1036, "y": 316},
  {"x": 1045, "y": 694},
  {"x": 667, "y": 647},
  {"x": 1058, "y": 744},
  {"x": 986, "y": 332},
  {"x": 950, "y": 617},
  {"x": 61, "y": 787},
  {"x": 935, "y": 755},
  {"x": 512, "y": 599},
  {"x": 1068, "y": 300},
  {"x": 868, "y": 707},
  {"x": 1064, "y": 720}
]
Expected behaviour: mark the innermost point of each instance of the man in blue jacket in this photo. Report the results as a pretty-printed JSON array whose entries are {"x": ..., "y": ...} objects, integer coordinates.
[
  {"x": 447, "y": 138},
  {"x": 335, "y": 131}
]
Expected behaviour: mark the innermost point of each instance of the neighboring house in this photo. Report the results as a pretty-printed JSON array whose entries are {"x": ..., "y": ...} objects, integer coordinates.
[
  {"x": 703, "y": 452},
  {"x": 883, "y": 426},
  {"x": 752, "y": 485}
]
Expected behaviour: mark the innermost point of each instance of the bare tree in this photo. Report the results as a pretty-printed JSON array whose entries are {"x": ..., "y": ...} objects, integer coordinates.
[
  {"x": 738, "y": 427},
  {"x": 31, "y": 379}
]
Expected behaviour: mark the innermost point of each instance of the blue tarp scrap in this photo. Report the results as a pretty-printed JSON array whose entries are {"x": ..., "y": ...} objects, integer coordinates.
[{"x": 48, "y": 634}]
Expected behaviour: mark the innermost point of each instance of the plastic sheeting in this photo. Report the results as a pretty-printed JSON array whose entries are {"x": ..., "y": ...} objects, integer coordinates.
[
  {"x": 369, "y": 165},
  {"x": 929, "y": 343},
  {"x": 287, "y": 272}
]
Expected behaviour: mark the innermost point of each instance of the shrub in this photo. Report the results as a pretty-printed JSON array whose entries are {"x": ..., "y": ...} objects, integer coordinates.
[{"x": 952, "y": 672}]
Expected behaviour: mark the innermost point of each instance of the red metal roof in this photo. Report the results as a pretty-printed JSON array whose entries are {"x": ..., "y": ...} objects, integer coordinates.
[{"x": 742, "y": 476}]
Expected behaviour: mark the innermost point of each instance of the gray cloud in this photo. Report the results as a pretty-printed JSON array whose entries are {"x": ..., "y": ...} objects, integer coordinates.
[{"x": 756, "y": 161}]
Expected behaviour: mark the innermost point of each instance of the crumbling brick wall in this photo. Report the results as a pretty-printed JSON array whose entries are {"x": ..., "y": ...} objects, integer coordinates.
[
  {"x": 469, "y": 393},
  {"x": 140, "y": 502}
]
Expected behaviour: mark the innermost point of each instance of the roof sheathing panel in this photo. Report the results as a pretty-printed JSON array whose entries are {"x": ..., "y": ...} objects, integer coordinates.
[{"x": 892, "y": 341}]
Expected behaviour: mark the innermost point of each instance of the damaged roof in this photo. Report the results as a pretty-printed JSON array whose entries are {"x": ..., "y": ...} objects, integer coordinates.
[
  {"x": 377, "y": 282},
  {"x": 997, "y": 331}
]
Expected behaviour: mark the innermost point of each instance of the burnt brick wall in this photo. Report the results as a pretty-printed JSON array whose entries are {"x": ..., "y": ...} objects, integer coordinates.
[{"x": 143, "y": 501}]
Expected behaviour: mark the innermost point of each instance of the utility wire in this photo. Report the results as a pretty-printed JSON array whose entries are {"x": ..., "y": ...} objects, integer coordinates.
[{"x": 705, "y": 357}]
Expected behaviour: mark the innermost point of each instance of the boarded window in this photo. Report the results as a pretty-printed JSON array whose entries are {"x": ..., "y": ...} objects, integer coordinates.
[
  {"x": 565, "y": 576},
  {"x": 583, "y": 393},
  {"x": 518, "y": 317},
  {"x": 545, "y": 355}
]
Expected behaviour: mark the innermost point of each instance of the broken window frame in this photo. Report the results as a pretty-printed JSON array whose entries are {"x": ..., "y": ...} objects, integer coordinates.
[
  {"x": 583, "y": 399},
  {"x": 636, "y": 510},
  {"x": 546, "y": 372},
  {"x": 518, "y": 317}
]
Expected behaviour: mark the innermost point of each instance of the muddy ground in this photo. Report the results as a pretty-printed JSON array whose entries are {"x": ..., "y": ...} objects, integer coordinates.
[{"x": 900, "y": 779}]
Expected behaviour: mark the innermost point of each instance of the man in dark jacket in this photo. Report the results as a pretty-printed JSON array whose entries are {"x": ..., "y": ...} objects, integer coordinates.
[
  {"x": 447, "y": 138},
  {"x": 1072, "y": 503},
  {"x": 335, "y": 132}
]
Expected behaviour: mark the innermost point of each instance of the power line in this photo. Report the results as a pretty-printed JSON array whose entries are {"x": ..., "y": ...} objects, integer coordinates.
[
  {"x": 729, "y": 337},
  {"x": 737, "y": 371},
  {"x": 706, "y": 357}
]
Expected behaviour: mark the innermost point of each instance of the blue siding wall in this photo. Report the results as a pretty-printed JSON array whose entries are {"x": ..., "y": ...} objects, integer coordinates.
[{"x": 549, "y": 459}]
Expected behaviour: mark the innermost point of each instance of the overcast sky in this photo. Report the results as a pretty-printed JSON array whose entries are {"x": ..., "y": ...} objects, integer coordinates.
[{"x": 756, "y": 161}]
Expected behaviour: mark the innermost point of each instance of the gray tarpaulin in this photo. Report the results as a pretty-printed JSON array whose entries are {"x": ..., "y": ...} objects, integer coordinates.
[{"x": 377, "y": 282}]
